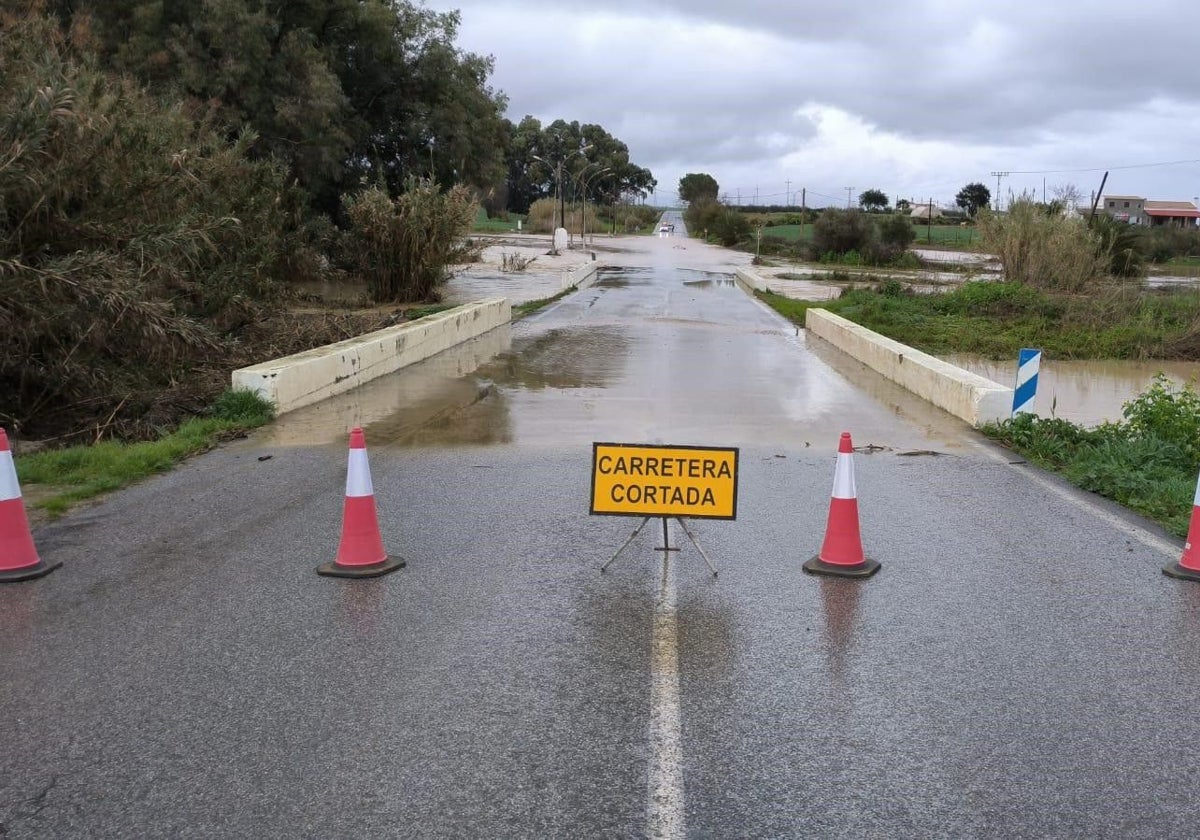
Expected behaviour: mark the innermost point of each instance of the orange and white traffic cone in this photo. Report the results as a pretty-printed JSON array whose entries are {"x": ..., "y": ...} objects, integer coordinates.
[
  {"x": 842, "y": 552},
  {"x": 360, "y": 553},
  {"x": 18, "y": 558},
  {"x": 1188, "y": 567}
]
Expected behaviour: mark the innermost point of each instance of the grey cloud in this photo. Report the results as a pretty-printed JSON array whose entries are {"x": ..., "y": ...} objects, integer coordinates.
[{"x": 1012, "y": 75}]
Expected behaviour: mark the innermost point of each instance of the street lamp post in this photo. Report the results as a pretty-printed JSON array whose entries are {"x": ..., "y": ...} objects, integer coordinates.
[
  {"x": 560, "y": 195},
  {"x": 584, "y": 180}
]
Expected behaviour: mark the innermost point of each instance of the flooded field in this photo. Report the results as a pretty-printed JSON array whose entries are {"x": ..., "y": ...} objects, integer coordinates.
[{"x": 1084, "y": 392}]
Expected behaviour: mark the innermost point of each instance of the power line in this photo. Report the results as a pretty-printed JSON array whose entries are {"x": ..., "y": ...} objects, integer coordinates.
[{"x": 1099, "y": 168}]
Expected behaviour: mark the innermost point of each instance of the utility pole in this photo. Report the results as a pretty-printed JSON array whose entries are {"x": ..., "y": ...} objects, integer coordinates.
[
  {"x": 998, "y": 176},
  {"x": 803, "y": 209},
  {"x": 739, "y": 196},
  {"x": 787, "y": 197},
  {"x": 848, "y": 191},
  {"x": 562, "y": 197}
]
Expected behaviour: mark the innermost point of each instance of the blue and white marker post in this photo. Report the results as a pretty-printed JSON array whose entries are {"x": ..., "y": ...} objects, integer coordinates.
[{"x": 1027, "y": 377}]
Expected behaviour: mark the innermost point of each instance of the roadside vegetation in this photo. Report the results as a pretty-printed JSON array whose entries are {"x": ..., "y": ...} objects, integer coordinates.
[
  {"x": 1147, "y": 462},
  {"x": 997, "y": 318},
  {"x": 1073, "y": 289},
  {"x": 56, "y": 479},
  {"x": 182, "y": 183},
  {"x": 787, "y": 228}
]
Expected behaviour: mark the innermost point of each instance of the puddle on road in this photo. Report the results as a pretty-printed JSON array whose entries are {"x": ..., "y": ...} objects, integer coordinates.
[
  {"x": 462, "y": 396},
  {"x": 561, "y": 358},
  {"x": 699, "y": 279},
  {"x": 1083, "y": 392},
  {"x": 621, "y": 278},
  {"x": 405, "y": 400}
]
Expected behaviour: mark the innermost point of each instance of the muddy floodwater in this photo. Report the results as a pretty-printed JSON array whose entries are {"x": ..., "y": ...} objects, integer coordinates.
[
  {"x": 1084, "y": 392},
  {"x": 663, "y": 348},
  {"x": 666, "y": 348}
]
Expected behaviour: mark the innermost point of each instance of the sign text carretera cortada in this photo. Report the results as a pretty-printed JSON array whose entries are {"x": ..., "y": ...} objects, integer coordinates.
[{"x": 636, "y": 480}]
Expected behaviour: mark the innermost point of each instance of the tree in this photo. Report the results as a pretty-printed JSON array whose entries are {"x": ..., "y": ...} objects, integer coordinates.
[
  {"x": 698, "y": 186},
  {"x": 342, "y": 91},
  {"x": 592, "y": 160},
  {"x": 870, "y": 200},
  {"x": 1067, "y": 195},
  {"x": 973, "y": 198}
]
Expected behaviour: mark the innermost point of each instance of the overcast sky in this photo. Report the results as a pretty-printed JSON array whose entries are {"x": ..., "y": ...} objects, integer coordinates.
[{"x": 915, "y": 98}]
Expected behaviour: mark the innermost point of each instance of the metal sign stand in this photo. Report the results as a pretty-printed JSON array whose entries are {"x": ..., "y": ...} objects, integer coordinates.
[{"x": 666, "y": 546}]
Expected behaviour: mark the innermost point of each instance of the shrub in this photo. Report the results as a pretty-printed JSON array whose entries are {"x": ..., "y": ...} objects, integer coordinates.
[
  {"x": 1123, "y": 243},
  {"x": 543, "y": 213},
  {"x": 1047, "y": 251},
  {"x": 730, "y": 227},
  {"x": 1172, "y": 415},
  {"x": 129, "y": 230},
  {"x": 1165, "y": 243},
  {"x": 842, "y": 231},
  {"x": 405, "y": 246},
  {"x": 701, "y": 216},
  {"x": 897, "y": 231}
]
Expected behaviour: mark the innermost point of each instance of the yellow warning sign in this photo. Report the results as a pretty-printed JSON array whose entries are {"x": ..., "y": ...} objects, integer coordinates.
[{"x": 636, "y": 480}]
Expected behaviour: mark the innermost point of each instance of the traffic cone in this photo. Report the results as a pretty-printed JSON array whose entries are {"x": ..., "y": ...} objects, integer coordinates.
[
  {"x": 842, "y": 552},
  {"x": 18, "y": 558},
  {"x": 360, "y": 553},
  {"x": 1188, "y": 567}
]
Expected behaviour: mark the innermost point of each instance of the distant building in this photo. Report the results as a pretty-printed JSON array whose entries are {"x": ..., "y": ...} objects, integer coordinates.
[
  {"x": 1140, "y": 211},
  {"x": 1125, "y": 208},
  {"x": 921, "y": 212},
  {"x": 1172, "y": 213}
]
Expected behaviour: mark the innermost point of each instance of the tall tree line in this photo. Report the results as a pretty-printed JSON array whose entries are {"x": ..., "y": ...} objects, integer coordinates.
[{"x": 342, "y": 91}]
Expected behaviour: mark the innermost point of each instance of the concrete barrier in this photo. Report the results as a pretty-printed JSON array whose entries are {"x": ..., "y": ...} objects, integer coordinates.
[
  {"x": 973, "y": 398},
  {"x": 750, "y": 281},
  {"x": 305, "y": 378},
  {"x": 581, "y": 276}
]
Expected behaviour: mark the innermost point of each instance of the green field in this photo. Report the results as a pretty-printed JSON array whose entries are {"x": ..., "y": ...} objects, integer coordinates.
[
  {"x": 935, "y": 234},
  {"x": 486, "y": 225}
]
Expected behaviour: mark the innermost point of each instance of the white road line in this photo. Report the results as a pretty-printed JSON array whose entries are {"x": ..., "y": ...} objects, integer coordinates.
[
  {"x": 664, "y": 808},
  {"x": 1076, "y": 498}
]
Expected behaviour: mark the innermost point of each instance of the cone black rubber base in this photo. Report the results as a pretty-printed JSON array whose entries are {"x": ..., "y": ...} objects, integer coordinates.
[
  {"x": 39, "y": 569},
  {"x": 1177, "y": 571},
  {"x": 817, "y": 566},
  {"x": 390, "y": 564}
]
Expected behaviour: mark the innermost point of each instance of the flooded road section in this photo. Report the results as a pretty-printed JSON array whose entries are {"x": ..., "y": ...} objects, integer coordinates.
[{"x": 658, "y": 354}]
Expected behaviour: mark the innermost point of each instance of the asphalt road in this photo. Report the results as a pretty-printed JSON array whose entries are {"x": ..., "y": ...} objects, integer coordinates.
[{"x": 1019, "y": 668}]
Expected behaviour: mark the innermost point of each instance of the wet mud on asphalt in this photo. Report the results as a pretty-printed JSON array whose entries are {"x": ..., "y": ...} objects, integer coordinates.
[{"x": 1019, "y": 668}]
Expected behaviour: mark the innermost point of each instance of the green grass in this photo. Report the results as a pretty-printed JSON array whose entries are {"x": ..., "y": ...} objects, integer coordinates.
[
  {"x": 484, "y": 224},
  {"x": 425, "y": 311},
  {"x": 997, "y": 319},
  {"x": 520, "y": 310},
  {"x": 1179, "y": 267},
  {"x": 64, "y": 477},
  {"x": 1147, "y": 462},
  {"x": 941, "y": 234}
]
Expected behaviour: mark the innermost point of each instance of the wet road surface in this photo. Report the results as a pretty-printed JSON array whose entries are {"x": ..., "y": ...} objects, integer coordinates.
[{"x": 1019, "y": 668}]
